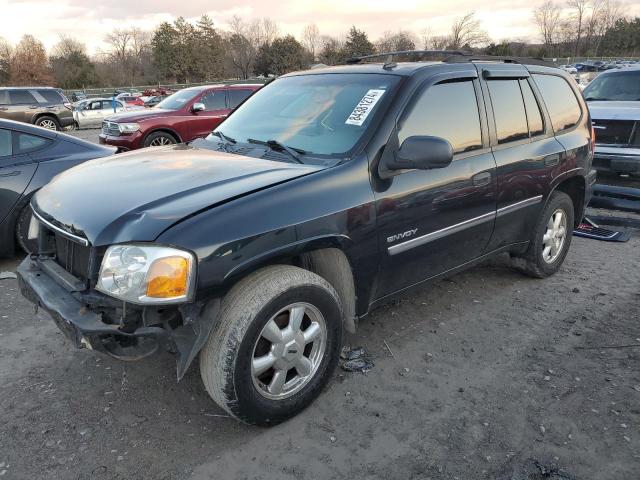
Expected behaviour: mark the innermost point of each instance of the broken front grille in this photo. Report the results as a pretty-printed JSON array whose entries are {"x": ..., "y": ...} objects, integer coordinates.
[
  {"x": 614, "y": 132},
  {"x": 72, "y": 256}
]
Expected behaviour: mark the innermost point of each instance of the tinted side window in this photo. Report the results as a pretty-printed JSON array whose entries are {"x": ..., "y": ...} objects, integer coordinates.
[
  {"x": 4, "y": 97},
  {"x": 21, "y": 97},
  {"x": 29, "y": 143},
  {"x": 508, "y": 110},
  {"x": 534, "y": 116},
  {"x": 5, "y": 143},
  {"x": 51, "y": 96},
  {"x": 236, "y": 97},
  {"x": 447, "y": 110},
  {"x": 214, "y": 101},
  {"x": 560, "y": 100}
]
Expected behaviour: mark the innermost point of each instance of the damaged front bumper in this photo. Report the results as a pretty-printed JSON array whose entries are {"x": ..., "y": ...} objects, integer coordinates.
[{"x": 81, "y": 317}]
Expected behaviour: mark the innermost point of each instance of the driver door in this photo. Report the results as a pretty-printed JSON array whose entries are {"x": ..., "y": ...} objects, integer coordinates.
[
  {"x": 215, "y": 111},
  {"x": 431, "y": 221}
]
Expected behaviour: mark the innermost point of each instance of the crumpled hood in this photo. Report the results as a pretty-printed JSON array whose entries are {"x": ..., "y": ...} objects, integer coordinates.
[
  {"x": 614, "y": 110},
  {"x": 136, "y": 196}
]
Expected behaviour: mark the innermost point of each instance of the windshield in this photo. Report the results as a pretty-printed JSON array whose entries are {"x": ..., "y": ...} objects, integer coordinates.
[
  {"x": 620, "y": 86},
  {"x": 177, "y": 100},
  {"x": 323, "y": 114}
]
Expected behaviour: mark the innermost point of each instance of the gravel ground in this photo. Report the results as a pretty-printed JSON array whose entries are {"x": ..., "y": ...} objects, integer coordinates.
[{"x": 488, "y": 374}]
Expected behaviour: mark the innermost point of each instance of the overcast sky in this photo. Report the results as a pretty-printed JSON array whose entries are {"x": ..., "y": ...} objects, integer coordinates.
[{"x": 90, "y": 20}]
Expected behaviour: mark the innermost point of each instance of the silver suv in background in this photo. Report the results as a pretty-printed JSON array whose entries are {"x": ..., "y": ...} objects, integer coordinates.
[
  {"x": 614, "y": 102},
  {"x": 42, "y": 106}
]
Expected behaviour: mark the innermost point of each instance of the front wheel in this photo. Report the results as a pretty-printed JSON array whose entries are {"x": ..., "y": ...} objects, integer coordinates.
[
  {"x": 159, "y": 139},
  {"x": 275, "y": 346},
  {"x": 551, "y": 238}
]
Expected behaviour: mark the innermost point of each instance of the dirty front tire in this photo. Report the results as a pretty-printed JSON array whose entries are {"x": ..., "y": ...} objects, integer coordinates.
[
  {"x": 258, "y": 308},
  {"x": 48, "y": 122},
  {"x": 542, "y": 259},
  {"x": 22, "y": 231},
  {"x": 159, "y": 139}
]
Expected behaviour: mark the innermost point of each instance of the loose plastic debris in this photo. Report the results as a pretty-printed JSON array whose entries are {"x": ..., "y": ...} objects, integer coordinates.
[
  {"x": 362, "y": 365},
  {"x": 348, "y": 353}
]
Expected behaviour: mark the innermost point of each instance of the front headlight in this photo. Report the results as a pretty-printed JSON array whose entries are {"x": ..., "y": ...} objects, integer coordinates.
[
  {"x": 147, "y": 274},
  {"x": 128, "y": 127}
]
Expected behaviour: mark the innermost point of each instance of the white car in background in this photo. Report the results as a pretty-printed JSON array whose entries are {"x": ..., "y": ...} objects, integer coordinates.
[
  {"x": 570, "y": 69},
  {"x": 90, "y": 113}
]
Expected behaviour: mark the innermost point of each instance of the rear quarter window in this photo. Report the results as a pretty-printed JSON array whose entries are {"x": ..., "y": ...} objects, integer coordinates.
[
  {"x": 51, "y": 96},
  {"x": 31, "y": 143},
  {"x": 5, "y": 143},
  {"x": 561, "y": 101}
]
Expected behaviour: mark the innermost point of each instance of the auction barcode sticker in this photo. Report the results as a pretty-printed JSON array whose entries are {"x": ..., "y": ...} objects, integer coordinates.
[{"x": 364, "y": 107}]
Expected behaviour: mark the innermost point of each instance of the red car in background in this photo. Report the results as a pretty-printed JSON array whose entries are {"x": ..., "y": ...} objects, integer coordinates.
[
  {"x": 184, "y": 116},
  {"x": 130, "y": 99}
]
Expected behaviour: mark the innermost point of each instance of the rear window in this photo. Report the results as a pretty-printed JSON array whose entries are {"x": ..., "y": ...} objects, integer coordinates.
[
  {"x": 560, "y": 100},
  {"x": 29, "y": 143},
  {"x": 51, "y": 96},
  {"x": 236, "y": 97},
  {"x": 508, "y": 110},
  {"x": 20, "y": 97}
]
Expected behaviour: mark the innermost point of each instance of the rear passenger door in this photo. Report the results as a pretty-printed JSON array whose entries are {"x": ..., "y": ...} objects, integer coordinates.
[
  {"x": 526, "y": 152},
  {"x": 236, "y": 96},
  {"x": 430, "y": 221},
  {"x": 22, "y": 106}
]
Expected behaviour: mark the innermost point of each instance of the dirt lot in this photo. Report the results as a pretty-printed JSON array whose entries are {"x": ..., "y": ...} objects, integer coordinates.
[{"x": 493, "y": 375}]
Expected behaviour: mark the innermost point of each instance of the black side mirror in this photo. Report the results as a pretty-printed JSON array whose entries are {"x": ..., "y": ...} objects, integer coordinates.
[{"x": 422, "y": 153}]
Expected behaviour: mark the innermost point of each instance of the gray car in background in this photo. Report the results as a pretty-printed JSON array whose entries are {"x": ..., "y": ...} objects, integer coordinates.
[
  {"x": 42, "y": 106},
  {"x": 614, "y": 102}
]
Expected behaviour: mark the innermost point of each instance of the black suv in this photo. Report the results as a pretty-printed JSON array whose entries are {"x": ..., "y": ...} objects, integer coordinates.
[
  {"x": 42, "y": 106},
  {"x": 325, "y": 194}
]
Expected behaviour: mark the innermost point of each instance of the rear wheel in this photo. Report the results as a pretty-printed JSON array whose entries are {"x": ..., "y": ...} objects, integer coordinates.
[
  {"x": 48, "y": 122},
  {"x": 275, "y": 346},
  {"x": 551, "y": 240},
  {"x": 159, "y": 139}
]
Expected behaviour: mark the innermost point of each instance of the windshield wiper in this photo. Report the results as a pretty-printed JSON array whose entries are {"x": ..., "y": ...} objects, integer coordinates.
[
  {"x": 277, "y": 146},
  {"x": 226, "y": 141}
]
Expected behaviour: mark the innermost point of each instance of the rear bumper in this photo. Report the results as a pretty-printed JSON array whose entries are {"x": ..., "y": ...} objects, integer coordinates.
[
  {"x": 124, "y": 142},
  {"x": 617, "y": 160},
  {"x": 66, "y": 120},
  {"x": 82, "y": 326}
]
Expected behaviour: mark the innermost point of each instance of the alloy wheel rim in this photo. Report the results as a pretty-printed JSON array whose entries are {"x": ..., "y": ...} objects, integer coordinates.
[
  {"x": 48, "y": 124},
  {"x": 554, "y": 236},
  {"x": 289, "y": 350},
  {"x": 160, "y": 141}
]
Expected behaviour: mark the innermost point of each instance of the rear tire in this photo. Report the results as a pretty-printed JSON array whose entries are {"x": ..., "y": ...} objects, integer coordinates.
[
  {"x": 551, "y": 238},
  {"x": 159, "y": 139},
  {"x": 241, "y": 361},
  {"x": 22, "y": 231},
  {"x": 48, "y": 122}
]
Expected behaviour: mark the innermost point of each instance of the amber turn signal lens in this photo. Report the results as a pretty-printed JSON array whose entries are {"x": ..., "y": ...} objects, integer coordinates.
[{"x": 168, "y": 277}]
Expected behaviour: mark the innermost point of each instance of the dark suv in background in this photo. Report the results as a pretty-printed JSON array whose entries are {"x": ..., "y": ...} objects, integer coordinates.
[
  {"x": 325, "y": 194},
  {"x": 42, "y": 106}
]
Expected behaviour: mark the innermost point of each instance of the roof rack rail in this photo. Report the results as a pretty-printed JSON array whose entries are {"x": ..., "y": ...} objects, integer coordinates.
[
  {"x": 389, "y": 55},
  {"x": 497, "y": 58}
]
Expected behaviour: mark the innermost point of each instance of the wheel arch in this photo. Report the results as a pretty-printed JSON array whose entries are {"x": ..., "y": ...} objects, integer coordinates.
[
  {"x": 168, "y": 130},
  {"x": 576, "y": 187},
  {"x": 39, "y": 115},
  {"x": 326, "y": 256}
]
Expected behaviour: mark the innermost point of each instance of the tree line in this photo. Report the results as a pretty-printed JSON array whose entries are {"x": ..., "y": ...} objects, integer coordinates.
[{"x": 189, "y": 52}]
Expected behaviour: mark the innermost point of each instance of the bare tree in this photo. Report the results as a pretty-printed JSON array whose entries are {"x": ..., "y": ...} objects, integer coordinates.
[
  {"x": 467, "y": 32},
  {"x": 5, "y": 60},
  {"x": 119, "y": 41},
  {"x": 396, "y": 41},
  {"x": 311, "y": 39},
  {"x": 579, "y": 11},
  {"x": 610, "y": 13},
  {"x": 547, "y": 19}
]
